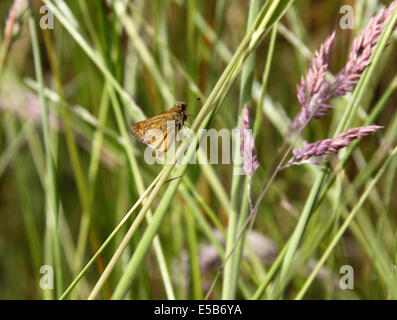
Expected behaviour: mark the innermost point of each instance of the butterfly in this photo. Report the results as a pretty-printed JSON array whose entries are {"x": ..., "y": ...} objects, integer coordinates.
[{"x": 159, "y": 131}]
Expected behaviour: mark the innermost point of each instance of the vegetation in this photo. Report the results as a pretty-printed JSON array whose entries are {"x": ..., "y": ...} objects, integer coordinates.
[{"x": 76, "y": 193}]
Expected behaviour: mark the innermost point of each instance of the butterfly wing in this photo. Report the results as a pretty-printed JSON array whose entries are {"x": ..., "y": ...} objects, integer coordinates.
[
  {"x": 154, "y": 131},
  {"x": 137, "y": 131}
]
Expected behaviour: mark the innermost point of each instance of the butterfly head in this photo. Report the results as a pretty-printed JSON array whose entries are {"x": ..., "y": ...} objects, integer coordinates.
[{"x": 181, "y": 106}]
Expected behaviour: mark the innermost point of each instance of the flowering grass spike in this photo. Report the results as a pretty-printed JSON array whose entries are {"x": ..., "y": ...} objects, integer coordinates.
[
  {"x": 314, "y": 91},
  {"x": 321, "y": 148}
]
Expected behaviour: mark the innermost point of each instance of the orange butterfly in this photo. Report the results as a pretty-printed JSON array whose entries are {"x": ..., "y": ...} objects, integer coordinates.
[{"x": 154, "y": 131}]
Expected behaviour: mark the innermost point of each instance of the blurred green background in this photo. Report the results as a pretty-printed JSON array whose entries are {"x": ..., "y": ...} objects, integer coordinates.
[{"x": 168, "y": 50}]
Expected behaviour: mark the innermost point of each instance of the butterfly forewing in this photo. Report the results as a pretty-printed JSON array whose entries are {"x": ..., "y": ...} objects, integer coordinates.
[{"x": 159, "y": 132}]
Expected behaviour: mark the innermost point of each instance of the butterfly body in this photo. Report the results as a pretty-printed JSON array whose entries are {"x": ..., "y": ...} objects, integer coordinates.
[{"x": 156, "y": 131}]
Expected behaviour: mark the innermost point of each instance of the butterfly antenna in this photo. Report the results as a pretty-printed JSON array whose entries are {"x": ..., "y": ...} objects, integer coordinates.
[
  {"x": 169, "y": 180},
  {"x": 195, "y": 100}
]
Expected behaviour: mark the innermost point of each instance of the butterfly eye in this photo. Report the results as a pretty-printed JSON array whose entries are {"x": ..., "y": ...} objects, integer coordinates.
[{"x": 182, "y": 106}]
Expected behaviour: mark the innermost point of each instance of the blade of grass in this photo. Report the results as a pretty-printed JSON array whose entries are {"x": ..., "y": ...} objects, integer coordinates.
[
  {"x": 51, "y": 185},
  {"x": 194, "y": 255},
  {"x": 345, "y": 225},
  {"x": 232, "y": 266},
  {"x": 371, "y": 119},
  {"x": 106, "y": 242},
  {"x": 82, "y": 188},
  {"x": 95, "y": 57},
  {"x": 24, "y": 195},
  {"x": 265, "y": 78},
  {"x": 343, "y": 124},
  {"x": 270, "y": 12},
  {"x": 135, "y": 171}
]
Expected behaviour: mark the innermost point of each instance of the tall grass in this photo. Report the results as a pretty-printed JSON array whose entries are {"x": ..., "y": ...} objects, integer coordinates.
[{"x": 78, "y": 195}]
